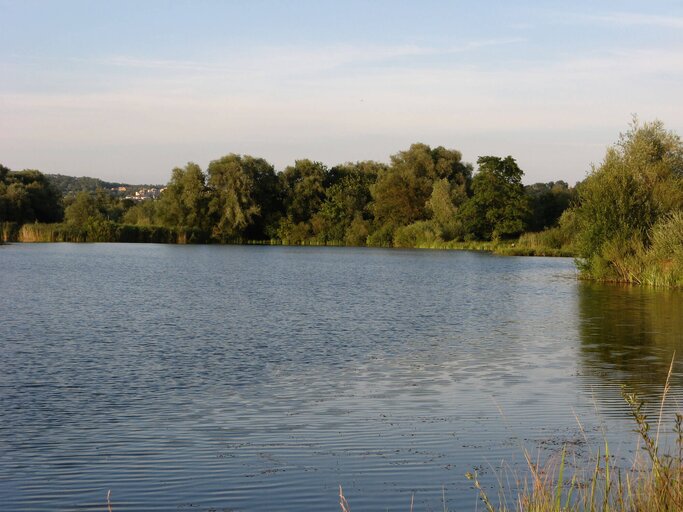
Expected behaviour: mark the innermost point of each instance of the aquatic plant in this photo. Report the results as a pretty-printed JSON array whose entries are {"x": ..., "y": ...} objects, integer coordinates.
[{"x": 652, "y": 483}]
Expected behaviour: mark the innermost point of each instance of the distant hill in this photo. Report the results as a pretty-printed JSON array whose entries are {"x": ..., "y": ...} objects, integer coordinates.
[
  {"x": 68, "y": 185},
  {"x": 71, "y": 184}
]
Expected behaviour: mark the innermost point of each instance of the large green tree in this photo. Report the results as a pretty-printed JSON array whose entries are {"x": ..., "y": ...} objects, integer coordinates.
[
  {"x": 28, "y": 196},
  {"x": 548, "y": 201},
  {"x": 498, "y": 207},
  {"x": 244, "y": 197},
  {"x": 401, "y": 192},
  {"x": 143, "y": 213},
  {"x": 94, "y": 214},
  {"x": 303, "y": 186},
  {"x": 444, "y": 204},
  {"x": 99, "y": 205},
  {"x": 185, "y": 201},
  {"x": 344, "y": 216}
]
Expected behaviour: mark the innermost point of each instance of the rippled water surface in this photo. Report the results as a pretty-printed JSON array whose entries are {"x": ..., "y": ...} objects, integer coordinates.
[{"x": 262, "y": 378}]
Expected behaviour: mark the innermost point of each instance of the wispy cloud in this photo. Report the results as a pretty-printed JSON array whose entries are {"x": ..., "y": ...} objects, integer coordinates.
[
  {"x": 288, "y": 102},
  {"x": 630, "y": 19},
  {"x": 294, "y": 57},
  {"x": 217, "y": 100}
]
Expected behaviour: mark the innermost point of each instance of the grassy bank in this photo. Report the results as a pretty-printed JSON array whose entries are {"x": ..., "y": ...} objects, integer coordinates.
[
  {"x": 529, "y": 244},
  {"x": 545, "y": 243},
  {"x": 99, "y": 232},
  {"x": 655, "y": 259}
]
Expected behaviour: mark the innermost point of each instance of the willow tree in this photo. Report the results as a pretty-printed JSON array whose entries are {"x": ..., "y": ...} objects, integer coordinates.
[
  {"x": 244, "y": 195},
  {"x": 185, "y": 201},
  {"x": 303, "y": 186}
]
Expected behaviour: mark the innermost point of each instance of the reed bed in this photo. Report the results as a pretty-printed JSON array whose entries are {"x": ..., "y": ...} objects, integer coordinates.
[
  {"x": 529, "y": 244},
  {"x": 105, "y": 231}
]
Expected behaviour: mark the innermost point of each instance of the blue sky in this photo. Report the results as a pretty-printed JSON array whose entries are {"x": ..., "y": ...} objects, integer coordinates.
[{"x": 125, "y": 91}]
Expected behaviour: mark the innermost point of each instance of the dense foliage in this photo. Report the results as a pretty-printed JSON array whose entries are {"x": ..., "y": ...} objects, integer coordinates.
[
  {"x": 425, "y": 197},
  {"x": 629, "y": 217},
  {"x": 28, "y": 196},
  {"x": 70, "y": 185},
  {"x": 624, "y": 222},
  {"x": 499, "y": 206}
]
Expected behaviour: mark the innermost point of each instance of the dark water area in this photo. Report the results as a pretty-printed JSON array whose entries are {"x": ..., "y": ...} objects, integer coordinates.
[{"x": 262, "y": 378}]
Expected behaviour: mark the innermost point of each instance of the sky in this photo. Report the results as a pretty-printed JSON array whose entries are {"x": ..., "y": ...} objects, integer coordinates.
[{"x": 125, "y": 91}]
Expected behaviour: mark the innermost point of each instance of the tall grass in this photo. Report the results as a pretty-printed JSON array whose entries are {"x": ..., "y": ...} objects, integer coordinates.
[
  {"x": 101, "y": 232},
  {"x": 9, "y": 231},
  {"x": 656, "y": 260},
  {"x": 551, "y": 242},
  {"x": 529, "y": 244}
]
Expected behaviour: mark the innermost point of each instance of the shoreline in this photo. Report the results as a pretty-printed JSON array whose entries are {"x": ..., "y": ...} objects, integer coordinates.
[{"x": 171, "y": 237}]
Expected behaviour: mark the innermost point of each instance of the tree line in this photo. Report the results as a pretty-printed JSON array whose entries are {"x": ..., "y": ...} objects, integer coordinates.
[
  {"x": 624, "y": 222},
  {"x": 424, "y": 196}
]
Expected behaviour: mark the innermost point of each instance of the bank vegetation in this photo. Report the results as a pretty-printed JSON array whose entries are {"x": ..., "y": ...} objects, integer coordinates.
[{"x": 623, "y": 223}]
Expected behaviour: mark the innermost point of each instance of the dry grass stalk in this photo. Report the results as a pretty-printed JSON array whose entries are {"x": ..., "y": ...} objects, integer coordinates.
[{"x": 342, "y": 501}]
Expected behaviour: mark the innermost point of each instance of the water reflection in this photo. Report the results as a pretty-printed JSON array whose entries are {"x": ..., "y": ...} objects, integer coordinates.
[
  {"x": 628, "y": 337},
  {"x": 260, "y": 378}
]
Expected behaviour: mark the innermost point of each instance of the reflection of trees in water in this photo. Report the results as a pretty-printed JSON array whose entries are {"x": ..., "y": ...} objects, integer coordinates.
[{"x": 629, "y": 334}]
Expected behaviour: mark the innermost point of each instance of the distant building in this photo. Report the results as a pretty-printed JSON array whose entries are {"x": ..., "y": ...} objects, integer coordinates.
[{"x": 146, "y": 193}]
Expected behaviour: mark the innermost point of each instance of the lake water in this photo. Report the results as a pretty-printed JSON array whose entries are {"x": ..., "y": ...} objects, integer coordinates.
[{"x": 261, "y": 378}]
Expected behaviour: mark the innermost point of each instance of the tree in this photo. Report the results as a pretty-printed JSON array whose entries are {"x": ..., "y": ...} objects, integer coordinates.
[
  {"x": 443, "y": 204},
  {"x": 304, "y": 189},
  {"x": 401, "y": 192},
  {"x": 244, "y": 196},
  {"x": 28, "y": 196},
  {"x": 144, "y": 213},
  {"x": 185, "y": 201},
  {"x": 303, "y": 186},
  {"x": 639, "y": 183},
  {"x": 344, "y": 215},
  {"x": 82, "y": 209},
  {"x": 547, "y": 202},
  {"x": 498, "y": 206}
]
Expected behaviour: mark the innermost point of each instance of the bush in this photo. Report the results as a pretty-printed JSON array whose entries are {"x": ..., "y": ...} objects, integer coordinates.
[
  {"x": 664, "y": 257},
  {"x": 639, "y": 183},
  {"x": 357, "y": 232},
  {"x": 419, "y": 234},
  {"x": 382, "y": 237},
  {"x": 294, "y": 233}
]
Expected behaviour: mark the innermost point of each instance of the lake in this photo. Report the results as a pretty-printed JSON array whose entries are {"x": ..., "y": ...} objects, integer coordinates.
[{"x": 261, "y": 378}]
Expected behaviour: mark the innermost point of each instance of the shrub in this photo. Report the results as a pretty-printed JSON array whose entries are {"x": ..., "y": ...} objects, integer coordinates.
[
  {"x": 638, "y": 183},
  {"x": 382, "y": 237},
  {"x": 417, "y": 234}
]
